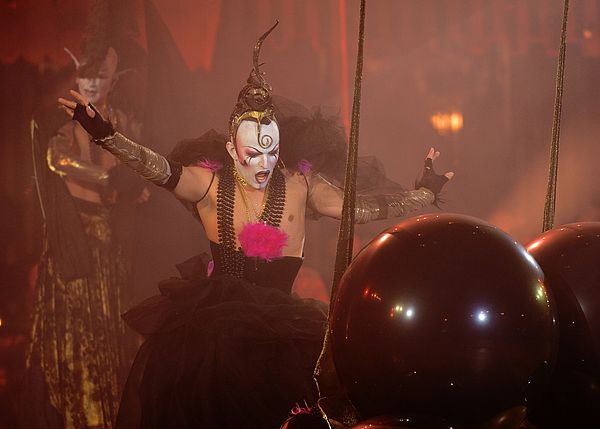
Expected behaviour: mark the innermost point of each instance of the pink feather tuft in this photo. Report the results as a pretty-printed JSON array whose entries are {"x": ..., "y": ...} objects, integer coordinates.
[
  {"x": 209, "y": 165},
  {"x": 304, "y": 166},
  {"x": 262, "y": 240}
]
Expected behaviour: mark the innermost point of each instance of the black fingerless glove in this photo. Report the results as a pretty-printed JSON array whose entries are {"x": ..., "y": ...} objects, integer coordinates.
[
  {"x": 430, "y": 180},
  {"x": 97, "y": 127}
]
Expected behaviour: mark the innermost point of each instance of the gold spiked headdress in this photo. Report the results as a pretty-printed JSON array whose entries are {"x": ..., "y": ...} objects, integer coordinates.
[{"x": 254, "y": 100}]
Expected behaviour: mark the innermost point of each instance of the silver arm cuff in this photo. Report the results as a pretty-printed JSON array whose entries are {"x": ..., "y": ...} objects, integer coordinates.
[
  {"x": 369, "y": 208},
  {"x": 147, "y": 163}
]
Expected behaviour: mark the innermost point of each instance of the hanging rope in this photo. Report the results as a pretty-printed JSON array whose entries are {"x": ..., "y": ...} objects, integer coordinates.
[
  {"x": 333, "y": 400},
  {"x": 346, "y": 232},
  {"x": 550, "y": 203}
]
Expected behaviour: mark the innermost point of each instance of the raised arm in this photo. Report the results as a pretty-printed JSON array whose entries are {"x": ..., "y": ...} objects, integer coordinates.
[
  {"x": 187, "y": 183},
  {"x": 327, "y": 199}
]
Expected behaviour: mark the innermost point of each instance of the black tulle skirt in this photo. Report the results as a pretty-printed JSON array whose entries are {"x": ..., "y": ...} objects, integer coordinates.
[{"x": 221, "y": 353}]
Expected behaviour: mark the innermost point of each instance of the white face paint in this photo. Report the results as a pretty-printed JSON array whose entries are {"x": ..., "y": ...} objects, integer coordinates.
[
  {"x": 256, "y": 152},
  {"x": 95, "y": 89}
]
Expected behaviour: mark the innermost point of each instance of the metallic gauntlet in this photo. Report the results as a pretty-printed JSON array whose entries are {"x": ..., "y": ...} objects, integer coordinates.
[
  {"x": 147, "y": 163},
  {"x": 369, "y": 208}
]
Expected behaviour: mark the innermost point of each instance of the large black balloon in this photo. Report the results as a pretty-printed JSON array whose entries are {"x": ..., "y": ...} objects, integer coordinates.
[
  {"x": 442, "y": 315},
  {"x": 512, "y": 418},
  {"x": 394, "y": 422},
  {"x": 570, "y": 258}
]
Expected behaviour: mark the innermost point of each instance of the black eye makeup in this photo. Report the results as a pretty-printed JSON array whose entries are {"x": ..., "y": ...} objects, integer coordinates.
[{"x": 252, "y": 153}]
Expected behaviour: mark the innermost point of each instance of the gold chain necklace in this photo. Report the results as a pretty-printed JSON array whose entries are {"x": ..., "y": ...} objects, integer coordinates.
[{"x": 247, "y": 203}]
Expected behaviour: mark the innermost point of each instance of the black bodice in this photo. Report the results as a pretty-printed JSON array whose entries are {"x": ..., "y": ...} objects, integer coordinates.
[{"x": 279, "y": 273}]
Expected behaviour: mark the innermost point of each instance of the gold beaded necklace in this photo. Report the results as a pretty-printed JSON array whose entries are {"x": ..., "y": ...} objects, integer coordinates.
[{"x": 256, "y": 212}]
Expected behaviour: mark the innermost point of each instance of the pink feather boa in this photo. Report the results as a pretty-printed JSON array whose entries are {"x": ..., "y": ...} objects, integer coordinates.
[{"x": 262, "y": 240}]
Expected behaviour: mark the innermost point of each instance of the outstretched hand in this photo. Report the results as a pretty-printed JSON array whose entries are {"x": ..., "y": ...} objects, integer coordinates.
[
  {"x": 86, "y": 114},
  {"x": 430, "y": 180},
  {"x": 69, "y": 106}
]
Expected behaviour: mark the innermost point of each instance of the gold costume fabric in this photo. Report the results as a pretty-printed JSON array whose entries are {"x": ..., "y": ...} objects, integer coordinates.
[{"x": 75, "y": 361}]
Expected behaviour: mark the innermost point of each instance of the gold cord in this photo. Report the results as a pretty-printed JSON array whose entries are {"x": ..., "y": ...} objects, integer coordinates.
[
  {"x": 550, "y": 202},
  {"x": 333, "y": 399},
  {"x": 247, "y": 203}
]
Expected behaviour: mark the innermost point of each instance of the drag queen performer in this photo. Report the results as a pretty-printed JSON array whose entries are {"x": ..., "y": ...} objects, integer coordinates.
[{"x": 227, "y": 345}]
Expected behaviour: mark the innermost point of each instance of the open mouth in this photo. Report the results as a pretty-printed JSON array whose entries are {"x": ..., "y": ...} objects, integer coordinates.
[{"x": 262, "y": 176}]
